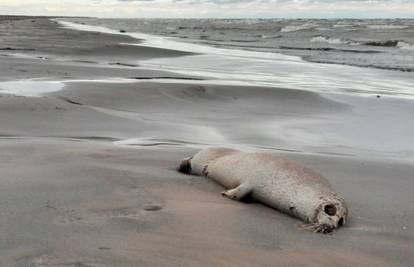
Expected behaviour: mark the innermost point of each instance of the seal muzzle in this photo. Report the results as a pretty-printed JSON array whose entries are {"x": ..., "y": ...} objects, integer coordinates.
[{"x": 185, "y": 166}]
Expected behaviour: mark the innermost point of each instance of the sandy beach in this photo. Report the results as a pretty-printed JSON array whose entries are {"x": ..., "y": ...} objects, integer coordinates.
[{"x": 91, "y": 136}]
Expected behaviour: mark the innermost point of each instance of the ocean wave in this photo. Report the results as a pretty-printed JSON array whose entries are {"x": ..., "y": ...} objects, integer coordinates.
[
  {"x": 387, "y": 43},
  {"x": 250, "y": 21},
  {"x": 387, "y": 27},
  {"x": 375, "y": 66},
  {"x": 405, "y": 45},
  {"x": 343, "y": 25},
  {"x": 330, "y": 40},
  {"x": 294, "y": 28},
  {"x": 264, "y": 36}
]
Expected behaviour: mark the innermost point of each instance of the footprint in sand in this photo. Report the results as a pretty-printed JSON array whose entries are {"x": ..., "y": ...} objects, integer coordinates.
[
  {"x": 71, "y": 216},
  {"x": 152, "y": 207}
]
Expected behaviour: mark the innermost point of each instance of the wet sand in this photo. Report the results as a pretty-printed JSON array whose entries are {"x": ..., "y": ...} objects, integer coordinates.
[{"x": 88, "y": 172}]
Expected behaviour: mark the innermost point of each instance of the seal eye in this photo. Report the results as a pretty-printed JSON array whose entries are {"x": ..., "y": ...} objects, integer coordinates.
[
  {"x": 330, "y": 210},
  {"x": 341, "y": 222}
]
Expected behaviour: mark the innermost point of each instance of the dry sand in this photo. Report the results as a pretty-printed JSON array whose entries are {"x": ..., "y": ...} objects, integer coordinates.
[{"x": 71, "y": 195}]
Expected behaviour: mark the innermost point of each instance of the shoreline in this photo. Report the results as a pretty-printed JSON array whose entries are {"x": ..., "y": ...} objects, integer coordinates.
[
  {"x": 189, "y": 32},
  {"x": 377, "y": 81}
]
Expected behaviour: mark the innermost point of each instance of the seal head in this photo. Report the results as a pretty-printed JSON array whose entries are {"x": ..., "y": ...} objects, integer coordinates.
[{"x": 330, "y": 215}]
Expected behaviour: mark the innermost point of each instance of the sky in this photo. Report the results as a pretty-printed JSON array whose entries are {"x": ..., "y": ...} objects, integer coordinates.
[{"x": 212, "y": 8}]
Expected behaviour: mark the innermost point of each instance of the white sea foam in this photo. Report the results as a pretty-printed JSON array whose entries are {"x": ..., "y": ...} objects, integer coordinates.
[
  {"x": 30, "y": 88},
  {"x": 264, "y": 36},
  {"x": 39, "y": 88},
  {"x": 405, "y": 45},
  {"x": 331, "y": 40},
  {"x": 294, "y": 28},
  {"x": 343, "y": 25},
  {"x": 323, "y": 39},
  {"x": 387, "y": 26}
]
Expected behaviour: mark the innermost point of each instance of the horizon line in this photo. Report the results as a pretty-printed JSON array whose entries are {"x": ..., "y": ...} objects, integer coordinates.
[{"x": 235, "y": 18}]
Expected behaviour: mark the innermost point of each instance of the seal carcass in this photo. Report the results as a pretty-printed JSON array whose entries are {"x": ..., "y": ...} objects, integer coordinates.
[{"x": 274, "y": 181}]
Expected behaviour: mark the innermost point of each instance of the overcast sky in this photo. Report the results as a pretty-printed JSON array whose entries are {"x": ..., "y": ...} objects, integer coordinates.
[{"x": 213, "y": 8}]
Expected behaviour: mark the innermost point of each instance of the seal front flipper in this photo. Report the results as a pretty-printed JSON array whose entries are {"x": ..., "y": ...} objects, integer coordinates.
[{"x": 239, "y": 192}]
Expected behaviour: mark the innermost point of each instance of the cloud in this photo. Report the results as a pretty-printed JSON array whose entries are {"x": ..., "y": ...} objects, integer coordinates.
[{"x": 213, "y": 8}]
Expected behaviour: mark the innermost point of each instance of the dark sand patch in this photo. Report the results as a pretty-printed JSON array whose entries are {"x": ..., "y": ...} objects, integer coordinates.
[
  {"x": 56, "y": 47},
  {"x": 167, "y": 78},
  {"x": 124, "y": 64}
]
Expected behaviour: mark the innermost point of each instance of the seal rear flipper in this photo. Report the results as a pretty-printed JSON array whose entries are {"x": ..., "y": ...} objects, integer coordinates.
[
  {"x": 185, "y": 166},
  {"x": 239, "y": 192}
]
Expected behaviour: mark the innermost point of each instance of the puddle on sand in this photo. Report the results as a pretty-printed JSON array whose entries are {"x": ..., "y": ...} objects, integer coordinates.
[
  {"x": 37, "y": 88},
  {"x": 30, "y": 88}
]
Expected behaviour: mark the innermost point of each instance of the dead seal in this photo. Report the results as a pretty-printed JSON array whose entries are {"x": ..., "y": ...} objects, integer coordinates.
[{"x": 274, "y": 181}]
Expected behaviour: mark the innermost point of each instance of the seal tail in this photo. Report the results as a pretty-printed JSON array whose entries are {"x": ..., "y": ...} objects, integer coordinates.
[{"x": 185, "y": 166}]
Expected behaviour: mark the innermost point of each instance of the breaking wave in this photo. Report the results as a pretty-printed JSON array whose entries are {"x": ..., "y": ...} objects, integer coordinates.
[
  {"x": 387, "y": 43},
  {"x": 330, "y": 40},
  {"x": 405, "y": 45},
  {"x": 294, "y": 28},
  {"x": 391, "y": 43},
  {"x": 387, "y": 27},
  {"x": 338, "y": 41}
]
